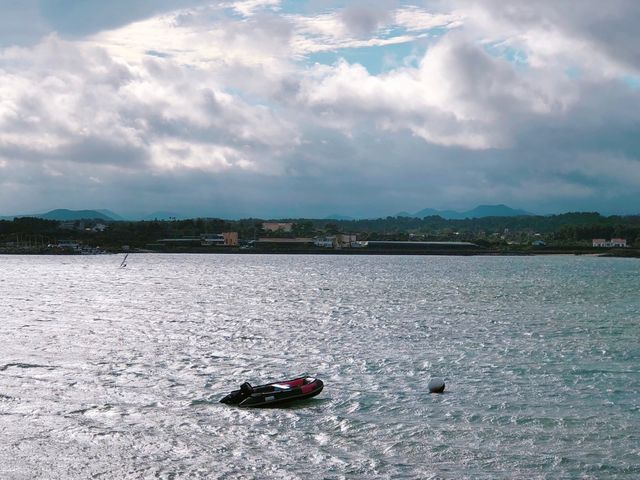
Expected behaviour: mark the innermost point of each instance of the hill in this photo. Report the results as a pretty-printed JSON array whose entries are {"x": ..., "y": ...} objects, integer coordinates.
[
  {"x": 62, "y": 214},
  {"x": 481, "y": 211}
]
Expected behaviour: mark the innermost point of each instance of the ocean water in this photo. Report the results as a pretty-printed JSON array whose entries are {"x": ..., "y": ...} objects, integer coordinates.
[{"x": 116, "y": 373}]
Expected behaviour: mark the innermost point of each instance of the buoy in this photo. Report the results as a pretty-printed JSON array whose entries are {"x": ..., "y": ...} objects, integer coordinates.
[{"x": 436, "y": 385}]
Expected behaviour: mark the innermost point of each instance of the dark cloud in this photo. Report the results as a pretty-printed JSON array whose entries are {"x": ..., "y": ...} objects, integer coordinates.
[
  {"x": 98, "y": 151},
  {"x": 364, "y": 18}
]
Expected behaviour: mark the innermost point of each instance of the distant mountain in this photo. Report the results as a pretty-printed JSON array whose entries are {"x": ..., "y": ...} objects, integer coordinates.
[
  {"x": 495, "y": 211},
  {"x": 405, "y": 214},
  {"x": 66, "y": 215},
  {"x": 425, "y": 212},
  {"x": 480, "y": 211},
  {"x": 429, "y": 212}
]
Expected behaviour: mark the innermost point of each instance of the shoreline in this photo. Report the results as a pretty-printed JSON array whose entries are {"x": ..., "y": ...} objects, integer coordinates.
[{"x": 628, "y": 253}]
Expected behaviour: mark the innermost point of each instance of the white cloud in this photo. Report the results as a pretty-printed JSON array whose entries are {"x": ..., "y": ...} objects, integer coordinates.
[
  {"x": 506, "y": 102},
  {"x": 359, "y": 27},
  {"x": 89, "y": 108},
  {"x": 185, "y": 38},
  {"x": 459, "y": 95},
  {"x": 416, "y": 19},
  {"x": 597, "y": 37},
  {"x": 249, "y": 7}
]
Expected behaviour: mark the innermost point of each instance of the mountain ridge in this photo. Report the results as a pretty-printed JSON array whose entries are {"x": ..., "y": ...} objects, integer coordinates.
[
  {"x": 61, "y": 214},
  {"x": 481, "y": 211}
]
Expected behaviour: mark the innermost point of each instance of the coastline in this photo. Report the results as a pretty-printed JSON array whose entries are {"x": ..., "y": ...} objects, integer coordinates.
[{"x": 456, "y": 252}]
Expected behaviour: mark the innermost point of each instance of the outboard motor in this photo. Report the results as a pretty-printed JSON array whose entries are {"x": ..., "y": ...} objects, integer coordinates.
[{"x": 237, "y": 396}]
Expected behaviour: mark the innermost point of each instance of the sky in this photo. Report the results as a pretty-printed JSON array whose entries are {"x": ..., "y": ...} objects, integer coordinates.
[{"x": 308, "y": 108}]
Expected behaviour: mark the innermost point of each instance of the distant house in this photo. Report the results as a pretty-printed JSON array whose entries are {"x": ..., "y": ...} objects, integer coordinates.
[
  {"x": 538, "y": 243},
  {"x": 277, "y": 226},
  {"x": 613, "y": 243},
  {"x": 619, "y": 242},
  {"x": 344, "y": 240},
  {"x": 209, "y": 239},
  {"x": 325, "y": 242},
  {"x": 340, "y": 240},
  {"x": 228, "y": 239}
]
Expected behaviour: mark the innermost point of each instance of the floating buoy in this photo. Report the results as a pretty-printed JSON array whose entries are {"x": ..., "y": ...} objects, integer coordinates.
[{"x": 436, "y": 385}]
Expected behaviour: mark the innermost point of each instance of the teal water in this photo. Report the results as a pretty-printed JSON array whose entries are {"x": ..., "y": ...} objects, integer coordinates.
[{"x": 116, "y": 373}]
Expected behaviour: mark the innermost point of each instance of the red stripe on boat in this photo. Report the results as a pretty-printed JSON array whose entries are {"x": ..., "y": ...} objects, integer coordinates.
[{"x": 294, "y": 383}]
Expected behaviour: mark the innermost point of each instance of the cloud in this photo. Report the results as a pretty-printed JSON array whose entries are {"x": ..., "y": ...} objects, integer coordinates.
[
  {"x": 250, "y": 7},
  {"x": 74, "y": 103},
  {"x": 226, "y": 107},
  {"x": 599, "y": 38},
  {"x": 364, "y": 19},
  {"x": 458, "y": 95},
  {"x": 364, "y": 25},
  {"x": 26, "y": 22}
]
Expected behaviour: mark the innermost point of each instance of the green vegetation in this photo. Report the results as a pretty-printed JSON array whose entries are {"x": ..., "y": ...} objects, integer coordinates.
[{"x": 566, "y": 231}]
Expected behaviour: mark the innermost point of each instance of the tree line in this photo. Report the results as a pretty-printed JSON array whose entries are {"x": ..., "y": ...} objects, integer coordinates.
[{"x": 578, "y": 228}]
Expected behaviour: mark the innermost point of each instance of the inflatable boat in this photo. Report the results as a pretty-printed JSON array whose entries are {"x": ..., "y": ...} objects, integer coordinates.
[{"x": 276, "y": 393}]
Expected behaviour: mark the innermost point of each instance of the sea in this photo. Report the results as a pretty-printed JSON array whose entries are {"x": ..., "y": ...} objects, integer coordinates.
[{"x": 110, "y": 372}]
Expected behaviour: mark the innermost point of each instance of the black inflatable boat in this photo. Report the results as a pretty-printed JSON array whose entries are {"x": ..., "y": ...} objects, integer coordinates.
[{"x": 276, "y": 393}]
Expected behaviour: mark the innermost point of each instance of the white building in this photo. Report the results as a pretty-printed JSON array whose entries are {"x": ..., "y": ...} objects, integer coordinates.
[
  {"x": 613, "y": 243},
  {"x": 325, "y": 242},
  {"x": 228, "y": 239},
  {"x": 340, "y": 240},
  {"x": 619, "y": 242}
]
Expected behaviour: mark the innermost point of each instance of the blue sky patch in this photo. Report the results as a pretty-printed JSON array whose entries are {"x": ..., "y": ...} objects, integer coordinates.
[
  {"x": 632, "y": 81},
  {"x": 375, "y": 59}
]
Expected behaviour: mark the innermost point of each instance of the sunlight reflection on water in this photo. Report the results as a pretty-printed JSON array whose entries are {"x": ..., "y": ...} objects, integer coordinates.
[{"x": 116, "y": 373}]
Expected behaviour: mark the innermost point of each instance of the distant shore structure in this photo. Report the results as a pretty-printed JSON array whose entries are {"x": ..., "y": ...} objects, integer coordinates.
[
  {"x": 226, "y": 239},
  {"x": 613, "y": 243}
]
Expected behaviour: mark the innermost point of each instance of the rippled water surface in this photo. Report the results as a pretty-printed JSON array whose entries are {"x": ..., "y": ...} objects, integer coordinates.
[{"x": 116, "y": 373}]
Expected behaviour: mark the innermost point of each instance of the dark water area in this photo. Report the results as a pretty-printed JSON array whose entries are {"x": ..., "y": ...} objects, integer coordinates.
[{"x": 116, "y": 373}]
